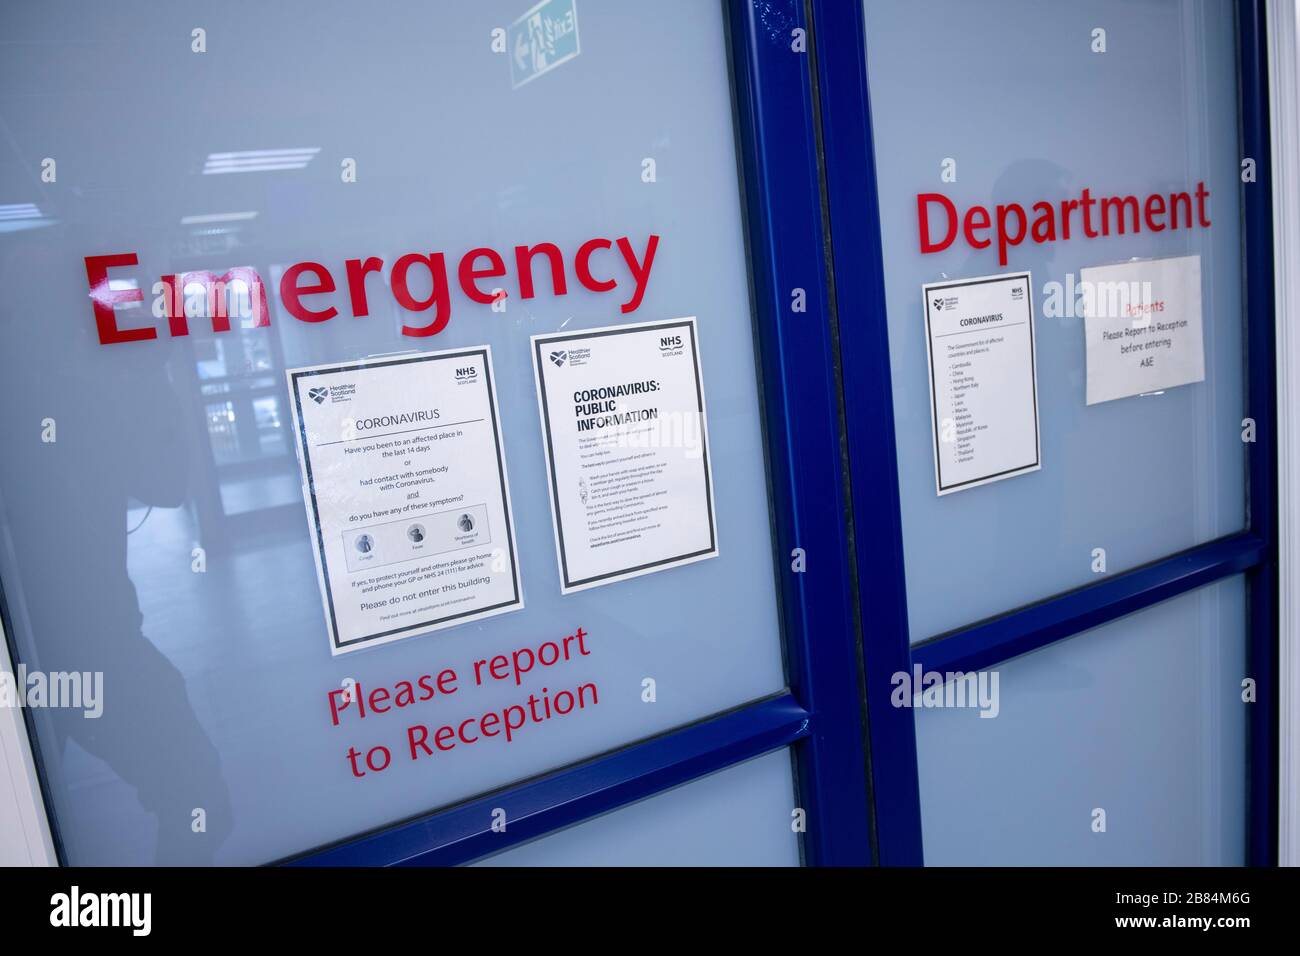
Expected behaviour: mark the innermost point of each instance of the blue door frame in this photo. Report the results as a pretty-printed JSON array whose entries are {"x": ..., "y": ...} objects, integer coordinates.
[
  {"x": 804, "y": 141},
  {"x": 820, "y": 714},
  {"x": 859, "y": 291},
  {"x": 806, "y": 153}
]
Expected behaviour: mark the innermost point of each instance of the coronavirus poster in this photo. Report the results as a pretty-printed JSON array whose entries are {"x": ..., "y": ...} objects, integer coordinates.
[
  {"x": 407, "y": 499},
  {"x": 627, "y": 450}
]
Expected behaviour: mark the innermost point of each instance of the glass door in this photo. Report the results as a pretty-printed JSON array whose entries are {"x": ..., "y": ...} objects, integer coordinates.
[
  {"x": 1053, "y": 274},
  {"x": 402, "y": 409}
]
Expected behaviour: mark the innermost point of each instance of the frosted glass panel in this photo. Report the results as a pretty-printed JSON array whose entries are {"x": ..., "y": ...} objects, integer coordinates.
[
  {"x": 1141, "y": 718},
  {"x": 1012, "y": 93},
  {"x": 322, "y": 132},
  {"x": 740, "y": 816}
]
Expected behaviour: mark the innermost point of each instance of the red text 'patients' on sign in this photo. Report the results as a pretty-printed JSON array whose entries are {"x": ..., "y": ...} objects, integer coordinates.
[
  {"x": 418, "y": 280},
  {"x": 939, "y": 219}
]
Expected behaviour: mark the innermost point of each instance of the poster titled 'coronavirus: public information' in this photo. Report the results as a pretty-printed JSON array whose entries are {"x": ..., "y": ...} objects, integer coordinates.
[{"x": 627, "y": 450}]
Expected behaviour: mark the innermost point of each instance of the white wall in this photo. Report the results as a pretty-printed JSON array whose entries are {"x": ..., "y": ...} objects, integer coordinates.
[
  {"x": 1285, "y": 107},
  {"x": 24, "y": 831}
]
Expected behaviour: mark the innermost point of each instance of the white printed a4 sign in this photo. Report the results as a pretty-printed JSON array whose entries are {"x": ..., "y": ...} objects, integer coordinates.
[
  {"x": 627, "y": 450},
  {"x": 407, "y": 498},
  {"x": 1142, "y": 323},
  {"x": 983, "y": 379}
]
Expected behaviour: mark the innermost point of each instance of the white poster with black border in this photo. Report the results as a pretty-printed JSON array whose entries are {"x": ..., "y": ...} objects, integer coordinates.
[
  {"x": 625, "y": 432},
  {"x": 407, "y": 499},
  {"x": 983, "y": 379}
]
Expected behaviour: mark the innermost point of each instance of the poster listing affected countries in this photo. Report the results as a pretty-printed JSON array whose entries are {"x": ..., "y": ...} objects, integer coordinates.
[
  {"x": 408, "y": 504},
  {"x": 983, "y": 380},
  {"x": 627, "y": 453}
]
